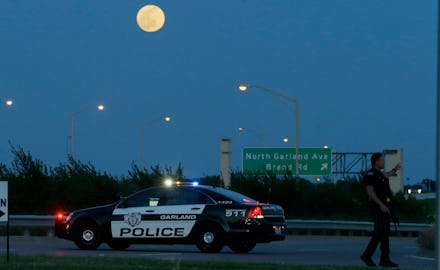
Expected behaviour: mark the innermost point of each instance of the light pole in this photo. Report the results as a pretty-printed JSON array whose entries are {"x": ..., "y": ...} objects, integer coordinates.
[
  {"x": 437, "y": 165},
  {"x": 100, "y": 107},
  {"x": 145, "y": 125},
  {"x": 259, "y": 136},
  {"x": 244, "y": 87}
]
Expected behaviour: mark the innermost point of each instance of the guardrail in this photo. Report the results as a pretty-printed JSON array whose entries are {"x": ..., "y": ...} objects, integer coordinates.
[
  {"x": 337, "y": 227},
  {"x": 296, "y": 226},
  {"x": 28, "y": 222}
]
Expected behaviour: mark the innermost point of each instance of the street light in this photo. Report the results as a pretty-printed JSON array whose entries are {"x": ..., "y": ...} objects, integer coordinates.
[
  {"x": 245, "y": 87},
  {"x": 259, "y": 136},
  {"x": 100, "y": 107},
  {"x": 145, "y": 125},
  {"x": 9, "y": 102},
  {"x": 286, "y": 140}
]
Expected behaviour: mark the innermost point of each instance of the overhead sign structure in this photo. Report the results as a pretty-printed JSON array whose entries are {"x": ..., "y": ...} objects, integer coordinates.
[
  {"x": 3, "y": 201},
  {"x": 281, "y": 161}
]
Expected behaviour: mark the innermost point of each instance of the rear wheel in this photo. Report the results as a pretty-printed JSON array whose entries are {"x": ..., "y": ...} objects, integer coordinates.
[
  {"x": 118, "y": 244},
  {"x": 242, "y": 247},
  {"x": 210, "y": 239},
  {"x": 87, "y": 235}
]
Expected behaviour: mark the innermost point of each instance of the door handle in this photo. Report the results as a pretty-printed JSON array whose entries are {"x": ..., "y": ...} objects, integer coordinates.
[
  {"x": 149, "y": 211},
  {"x": 195, "y": 208}
]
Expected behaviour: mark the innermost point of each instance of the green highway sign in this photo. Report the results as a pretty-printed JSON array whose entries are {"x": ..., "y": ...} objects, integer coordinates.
[{"x": 279, "y": 161}]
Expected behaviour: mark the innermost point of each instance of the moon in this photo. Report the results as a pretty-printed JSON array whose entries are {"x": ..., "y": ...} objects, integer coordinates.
[{"x": 150, "y": 18}]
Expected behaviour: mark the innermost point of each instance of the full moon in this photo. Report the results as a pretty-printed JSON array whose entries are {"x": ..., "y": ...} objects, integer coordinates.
[{"x": 150, "y": 18}]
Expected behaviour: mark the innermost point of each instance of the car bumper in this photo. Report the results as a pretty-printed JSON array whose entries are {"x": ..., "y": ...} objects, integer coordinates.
[
  {"x": 268, "y": 232},
  {"x": 62, "y": 230},
  {"x": 260, "y": 232}
]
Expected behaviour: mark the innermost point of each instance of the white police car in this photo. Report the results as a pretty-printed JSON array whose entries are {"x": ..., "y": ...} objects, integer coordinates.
[{"x": 206, "y": 216}]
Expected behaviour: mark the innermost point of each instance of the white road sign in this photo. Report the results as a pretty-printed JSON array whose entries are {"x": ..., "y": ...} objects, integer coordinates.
[{"x": 3, "y": 201}]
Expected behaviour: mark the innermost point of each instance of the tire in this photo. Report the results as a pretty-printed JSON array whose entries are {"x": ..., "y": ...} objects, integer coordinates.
[
  {"x": 242, "y": 247},
  {"x": 118, "y": 244},
  {"x": 87, "y": 235},
  {"x": 210, "y": 239}
]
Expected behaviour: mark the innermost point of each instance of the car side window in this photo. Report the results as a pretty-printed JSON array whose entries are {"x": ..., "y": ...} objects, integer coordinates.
[
  {"x": 145, "y": 198},
  {"x": 183, "y": 196}
]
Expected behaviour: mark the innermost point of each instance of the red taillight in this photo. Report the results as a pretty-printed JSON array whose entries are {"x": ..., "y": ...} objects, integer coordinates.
[
  {"x": 59, "y": 216},
  {"x": 255, "y": 212}
]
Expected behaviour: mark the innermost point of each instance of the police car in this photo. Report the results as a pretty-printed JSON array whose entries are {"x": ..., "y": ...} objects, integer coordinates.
[{"x": 209, "y": 217}]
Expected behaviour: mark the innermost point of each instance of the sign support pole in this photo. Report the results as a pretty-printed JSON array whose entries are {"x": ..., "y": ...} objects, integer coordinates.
[
  {"x": 4, "y": 213},
  {"x": 7, "y": 240},
  {"x": 437, "y": 162},
  {"x": 296, "y": 138}
]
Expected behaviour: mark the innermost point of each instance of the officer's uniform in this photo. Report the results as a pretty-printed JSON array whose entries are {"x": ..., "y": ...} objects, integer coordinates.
[{"x": 381, "y": 220}]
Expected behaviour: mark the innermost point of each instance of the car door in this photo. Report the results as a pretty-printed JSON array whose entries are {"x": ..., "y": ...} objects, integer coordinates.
[{"x": 159, "y": 213}]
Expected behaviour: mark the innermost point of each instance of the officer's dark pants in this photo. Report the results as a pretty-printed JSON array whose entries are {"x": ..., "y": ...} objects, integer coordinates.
[{"x": 380, "y": 235}]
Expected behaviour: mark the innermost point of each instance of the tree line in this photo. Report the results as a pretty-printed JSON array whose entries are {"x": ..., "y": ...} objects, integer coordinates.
[{"x": 36, "y": 188}]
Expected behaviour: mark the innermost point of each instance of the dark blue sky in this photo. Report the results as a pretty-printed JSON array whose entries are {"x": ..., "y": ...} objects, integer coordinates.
[{"x": 364, "y": 73}]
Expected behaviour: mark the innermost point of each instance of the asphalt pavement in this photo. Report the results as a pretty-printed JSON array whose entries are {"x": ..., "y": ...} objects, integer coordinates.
[{"x": 311, "y": 250}]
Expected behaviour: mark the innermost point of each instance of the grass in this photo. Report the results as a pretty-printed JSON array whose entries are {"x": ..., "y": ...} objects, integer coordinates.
[{"x": 90, "y": 263}]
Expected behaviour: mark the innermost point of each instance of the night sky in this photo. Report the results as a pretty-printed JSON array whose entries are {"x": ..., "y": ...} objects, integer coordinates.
[{"x": 364, "y": 73}]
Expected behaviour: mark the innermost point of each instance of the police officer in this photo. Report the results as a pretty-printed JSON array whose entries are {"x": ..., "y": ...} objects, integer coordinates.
[{"x": 378, "y": 189}]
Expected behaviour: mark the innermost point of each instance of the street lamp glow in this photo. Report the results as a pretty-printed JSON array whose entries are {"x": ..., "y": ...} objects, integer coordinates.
[
  {"x": 240, "y": 129},
  {"x": 9, "y": 102},
  {"x": 325, "y": 146},
  {"x": 101, "y": 107},
  {"x": 243, "y": 87},
  {"x": 167, "y": 119},
  {"x": 286, "y": 140}
]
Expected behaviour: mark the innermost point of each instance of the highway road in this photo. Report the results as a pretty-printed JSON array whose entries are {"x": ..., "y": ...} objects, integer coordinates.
[{"x": 334, "y": 250}]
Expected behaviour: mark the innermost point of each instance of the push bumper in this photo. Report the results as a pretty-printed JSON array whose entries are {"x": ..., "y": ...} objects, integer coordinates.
[{"x": 62, "y": 230}]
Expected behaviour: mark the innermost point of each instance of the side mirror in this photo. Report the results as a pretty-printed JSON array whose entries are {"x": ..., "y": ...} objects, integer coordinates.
[{"x": 121, "y": 200}]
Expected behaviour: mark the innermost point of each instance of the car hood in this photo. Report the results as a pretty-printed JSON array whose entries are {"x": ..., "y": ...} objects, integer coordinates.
[{"x": 96, "y": 209}]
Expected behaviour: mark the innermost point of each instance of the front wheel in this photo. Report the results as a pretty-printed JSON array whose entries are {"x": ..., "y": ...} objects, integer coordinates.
[
  {"x": 210, "y": 239},
  {"x": 87, "y": 235},
  {"x": 242, "y": 247}
]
